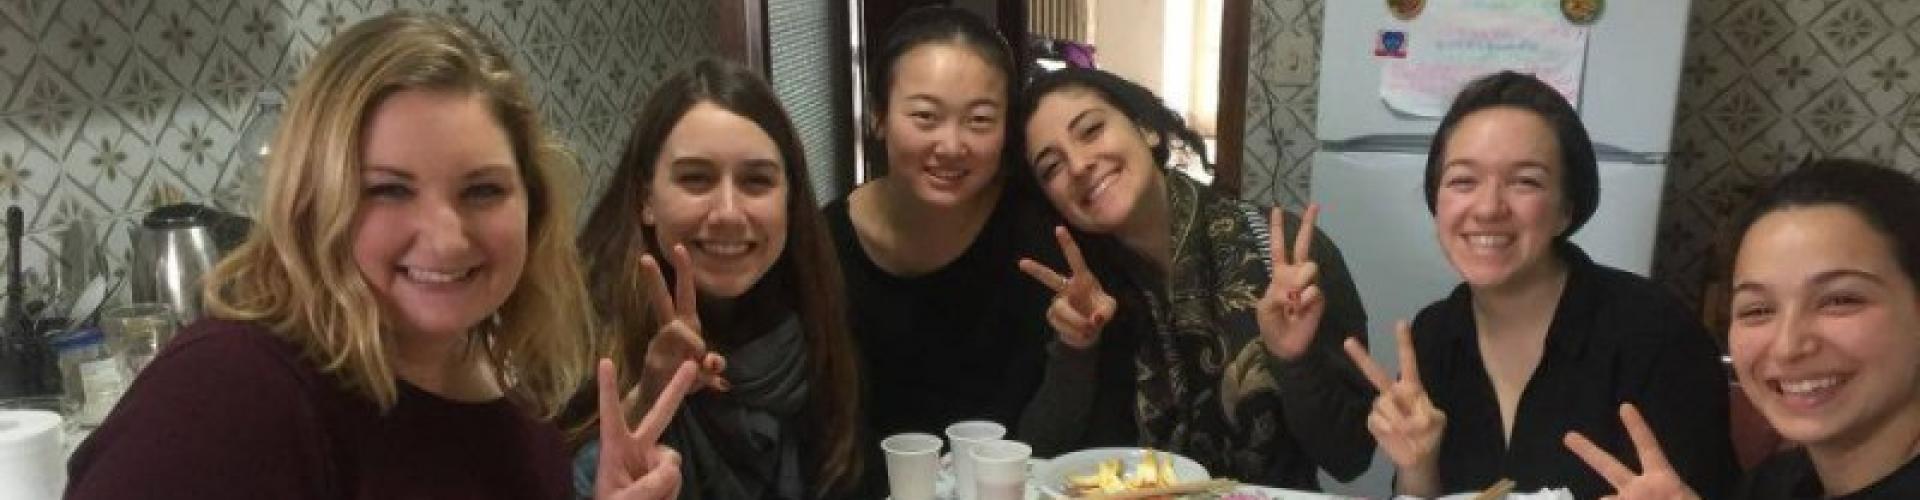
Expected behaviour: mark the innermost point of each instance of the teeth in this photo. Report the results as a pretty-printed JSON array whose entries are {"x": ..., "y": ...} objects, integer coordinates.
[
  {"x": 1802, "y": 387},
  {"x": 1489, "y": 240},
  {"x": 725, "y": 249},
  {"x": 428, "y": 276},
  {"x": 947, "y": 174},
  {"x": 1098, "y": 189}
]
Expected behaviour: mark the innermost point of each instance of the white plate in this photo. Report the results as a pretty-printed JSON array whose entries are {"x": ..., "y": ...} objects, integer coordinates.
[{"x": 1051, "y": 477}]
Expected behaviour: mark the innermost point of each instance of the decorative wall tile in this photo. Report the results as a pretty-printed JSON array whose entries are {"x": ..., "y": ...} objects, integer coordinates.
[
  {"x": 1837, "y": 77},
  {"x": 104, "y": 103},
  {"x": 1282, "y": 86},
  {"x": 1764, "y": 84}
]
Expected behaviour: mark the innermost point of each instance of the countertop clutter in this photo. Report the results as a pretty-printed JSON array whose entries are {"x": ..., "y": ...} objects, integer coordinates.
[{"x": 74, "y": 334}]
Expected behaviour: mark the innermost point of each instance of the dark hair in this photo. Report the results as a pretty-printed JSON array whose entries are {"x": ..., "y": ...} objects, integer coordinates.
[
  {"x": 806, "y": 277},
  {"x": 1581, "y": 184},
  {"x": 1887, "y": 199},
  {"x": 1139, "y": 104},
  {"x": 1106, "y": 255},
  {"x": 937, "y": 24}
]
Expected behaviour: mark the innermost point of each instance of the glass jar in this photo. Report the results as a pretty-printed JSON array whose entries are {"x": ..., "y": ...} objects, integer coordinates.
[
  {"x": 137, "y": 331},
  {"x": 240, "y": 192},
  {"x": 91, "y": 377}
]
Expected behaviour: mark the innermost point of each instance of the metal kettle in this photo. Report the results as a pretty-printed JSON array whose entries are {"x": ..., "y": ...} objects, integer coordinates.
[{"x": 172, "y": 248}]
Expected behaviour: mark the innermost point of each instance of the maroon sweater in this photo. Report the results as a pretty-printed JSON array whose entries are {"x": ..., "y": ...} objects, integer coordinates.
[{"x": 228, "y": 410}]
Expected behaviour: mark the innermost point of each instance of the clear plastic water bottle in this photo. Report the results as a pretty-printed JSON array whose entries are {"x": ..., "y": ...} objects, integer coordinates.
[{"x": 240, "y": 190}]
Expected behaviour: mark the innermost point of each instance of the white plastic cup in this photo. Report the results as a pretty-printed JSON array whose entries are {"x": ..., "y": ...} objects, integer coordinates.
[
  {"x": 963, "y": 436},
  {"x": 1000, "y": 469},
  {"x": 913, "y": 460}
]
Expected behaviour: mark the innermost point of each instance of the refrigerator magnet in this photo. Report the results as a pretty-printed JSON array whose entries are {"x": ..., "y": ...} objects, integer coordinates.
[
  {"x": 1391, "y": 43},
  {"x": 1582, "y": 11},
  {"x": 1406, "y": 10}
]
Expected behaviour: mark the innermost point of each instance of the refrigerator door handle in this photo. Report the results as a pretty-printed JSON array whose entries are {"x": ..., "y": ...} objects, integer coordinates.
[
  {"x": 1419, "y": 144},
  {"x": 1379, "y": 143},
  {"x": 1608, "y": 153}
]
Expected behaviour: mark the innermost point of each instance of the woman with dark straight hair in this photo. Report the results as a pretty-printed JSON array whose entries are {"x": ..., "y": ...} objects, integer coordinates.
[
  {"x": 1538, "y": 340},
  {"x": 948, "y": 328},
  {"x": 712, "y": 195}
]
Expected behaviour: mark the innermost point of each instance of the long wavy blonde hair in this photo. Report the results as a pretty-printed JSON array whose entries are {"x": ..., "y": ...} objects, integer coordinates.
[{"x": 295, "y": 272}]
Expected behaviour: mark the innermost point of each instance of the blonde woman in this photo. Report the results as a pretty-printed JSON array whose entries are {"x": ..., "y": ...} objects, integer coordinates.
[{"x": 403, "y": 318}]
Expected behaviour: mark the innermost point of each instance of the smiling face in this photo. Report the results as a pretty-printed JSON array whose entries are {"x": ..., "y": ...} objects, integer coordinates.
[
  {"x": 1500, "y": 202},
  {"x": 1826, "y": 326},
  {"x": 944, "y": 126},
  {"x": 440, "y": 233},
  {"x": 1093, "y": 162},
  {"x": 719, "y": 187}
]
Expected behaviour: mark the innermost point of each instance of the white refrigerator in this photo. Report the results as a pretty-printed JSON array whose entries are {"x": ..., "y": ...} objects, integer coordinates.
[{"x": 1368, "y": 172}]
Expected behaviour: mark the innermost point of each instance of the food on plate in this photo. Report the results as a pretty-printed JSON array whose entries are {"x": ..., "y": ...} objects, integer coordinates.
[{"x": 1155, "y": 470}]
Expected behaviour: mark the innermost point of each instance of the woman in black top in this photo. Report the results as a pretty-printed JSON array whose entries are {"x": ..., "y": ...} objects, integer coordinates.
[
  {"x": 948, "y": 327},
  {"x": 1539, "y": 340},
  {"x": 1825, "y": 338}
]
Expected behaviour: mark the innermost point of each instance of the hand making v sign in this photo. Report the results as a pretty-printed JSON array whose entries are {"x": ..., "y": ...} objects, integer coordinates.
[
  {"x": 1289, "y": 312},
  {"x": 679, "y": 336},
  {"x": 1081, "y": 307},
  {"x": 633, "y": 465},
  {"x": 1656, "y": 480},
  {"x": 1404, "y": 421}
]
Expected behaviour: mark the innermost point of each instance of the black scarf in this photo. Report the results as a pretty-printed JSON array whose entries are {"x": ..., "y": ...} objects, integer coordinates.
[{"x": 743, "y": 443}]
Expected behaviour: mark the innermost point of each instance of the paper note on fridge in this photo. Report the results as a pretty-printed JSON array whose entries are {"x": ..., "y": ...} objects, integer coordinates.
[{"x": 1455, "y": 41}]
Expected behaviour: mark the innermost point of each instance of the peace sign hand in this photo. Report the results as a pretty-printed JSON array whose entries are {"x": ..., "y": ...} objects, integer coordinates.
[
  {"x": 633, "y": 465},
  {"x": 1656, "y": 481},
  {"x": 679, "y": 336},
  {"x": 1081, "y": 307},
  {"x": 1289, "y": 313},
  {"x": 1404, "y": 420}
]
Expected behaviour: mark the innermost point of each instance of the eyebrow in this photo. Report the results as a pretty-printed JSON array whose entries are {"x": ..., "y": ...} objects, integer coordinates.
[
  {"x": 690, "y": 159},
  {"x": 1836, "y": 274},
  {"x": 480, "y": 171},
  {"x": 388, "y": 170},
  {"x": 702, "y": 160},
  {"x": 1075, "y": 122},
  {"x": 1821, "y": 278},
  {"x": 984, "y": 101}
]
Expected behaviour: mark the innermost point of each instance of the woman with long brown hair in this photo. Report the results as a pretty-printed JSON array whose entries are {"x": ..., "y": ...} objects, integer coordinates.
[{"x": 714, "y": 179}]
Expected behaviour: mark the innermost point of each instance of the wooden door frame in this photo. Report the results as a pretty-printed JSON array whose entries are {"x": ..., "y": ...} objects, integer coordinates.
[{"x": 1231, "y": 126}]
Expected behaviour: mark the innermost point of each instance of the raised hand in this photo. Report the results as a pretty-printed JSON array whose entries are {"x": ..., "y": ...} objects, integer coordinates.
[
  {"x": 1656, "y": 480},
  {"x": 679, "y": 336},
  {"x": 1289, "y": 312},
  {"x": 1404, "y": 421},
  {"x": 1081, "y": 307},
  {"x": 633, "y": 465}
]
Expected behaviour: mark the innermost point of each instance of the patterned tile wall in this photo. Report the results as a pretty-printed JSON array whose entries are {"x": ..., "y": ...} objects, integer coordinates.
[
  {"x": 1283, "y": 72},
  {"x": 1764, "y": 84},
  {"x": 103, "y": 103},
  {"x": 1767, "y": 83}
]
